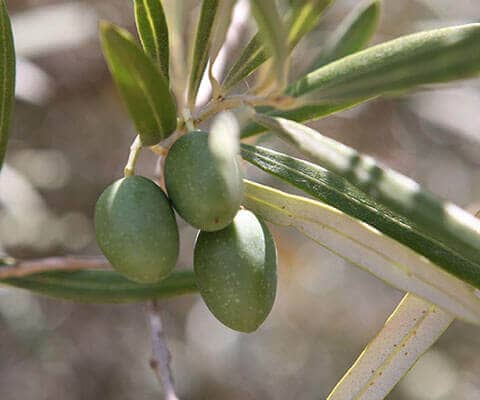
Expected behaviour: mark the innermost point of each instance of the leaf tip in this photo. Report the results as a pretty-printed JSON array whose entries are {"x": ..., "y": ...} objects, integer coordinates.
[
  {"x": 105, "y": 26},
  {"x": 375, "y": 6}
]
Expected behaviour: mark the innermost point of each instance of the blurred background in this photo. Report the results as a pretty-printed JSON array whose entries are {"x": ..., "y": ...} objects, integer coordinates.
[{"x": 70, "y": 139}]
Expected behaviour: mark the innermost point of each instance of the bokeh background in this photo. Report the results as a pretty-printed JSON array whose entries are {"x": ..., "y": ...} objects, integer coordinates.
[{"x": 70, "y": 139}]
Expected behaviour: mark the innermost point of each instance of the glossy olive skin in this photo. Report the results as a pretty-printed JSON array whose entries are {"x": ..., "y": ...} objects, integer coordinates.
[
  {"x": 206, "y": 192},
  {"x": 236, "y": 272},
  {"x": 136, "y": 229}
]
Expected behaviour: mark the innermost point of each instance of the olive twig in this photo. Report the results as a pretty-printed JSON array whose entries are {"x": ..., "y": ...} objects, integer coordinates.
[
  {"x": 160, "y": 361},
  {"x": 228, "y": 103},
  {"x": 188, "y": 120},
  {"x": 159, "y": 150},
  {"x": 12, "y": 268},
  {"x": 132, "y": 157},
  {"x": 218, "y": 105}
]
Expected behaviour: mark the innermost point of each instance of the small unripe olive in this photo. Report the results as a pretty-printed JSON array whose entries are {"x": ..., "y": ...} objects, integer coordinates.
[
  {"x": 136, "y": 229},
  {"x": 205, "y": 190},
  {"x": 236, "y": 272}
]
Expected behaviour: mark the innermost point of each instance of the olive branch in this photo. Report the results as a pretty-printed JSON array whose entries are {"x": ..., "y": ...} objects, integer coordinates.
[{"x": 368, "y": 214}]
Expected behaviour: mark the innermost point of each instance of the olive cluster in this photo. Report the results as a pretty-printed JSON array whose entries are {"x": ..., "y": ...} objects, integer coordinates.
[{"x": 235, "y": 257}]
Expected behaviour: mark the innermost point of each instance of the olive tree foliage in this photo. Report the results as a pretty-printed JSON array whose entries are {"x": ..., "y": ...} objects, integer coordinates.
[{"x": 364, "y": 212}]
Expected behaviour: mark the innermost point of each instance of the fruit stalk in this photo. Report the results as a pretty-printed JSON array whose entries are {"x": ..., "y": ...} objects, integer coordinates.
[{"x": 132, "y": 157}]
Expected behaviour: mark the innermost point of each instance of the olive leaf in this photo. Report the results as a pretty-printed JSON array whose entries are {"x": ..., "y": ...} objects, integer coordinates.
[
  {"x": 252, "y": 56},
  {"x": 438, "y": 55},
  {"x": 341, "y": 194},
  {"x": 153, "y": 31},
  {"x": 365, "y": 247},
  {"x": 305, "y": 16},
  {"x": 435, "y": 56},
  {"x": 273, "y": 35},
  {"x": 352, "y": 34},
  {"x": 220, "y": 29},
  {"x": 201, "y": 49},
  {"x": 144, "y": 89},
  {"x": 7, "y": 78},
  {"x": 303, "y": 113},
  {"x": 177, "y": 12},
  {"x": 445, "y": 224},
  {"x": 411, "y": 329},
  {"x": 302, "y": 20},
  {"x": 103, "y": 286},
  {"x": 221, "y": 25}
]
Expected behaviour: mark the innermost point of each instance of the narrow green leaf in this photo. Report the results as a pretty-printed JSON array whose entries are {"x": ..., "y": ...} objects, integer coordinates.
[
  {"x": 422, "y": 58},
  {"x": 273, "y": 35},
  {"x": 153, "y": 31},
  {"x": 103, "y": 286},
  {"x": 143, "y": 87},
  {"x": 249, "y": 60},
  {"x": 439, "y": 55},
  {"x": 305, "y": 16},
  {"x": 201, "y": 50},
  {"x": 410, "y": 331},
  {"x": 7, "y": 78},
  {"x": 300, "y": 114},
  {"x": 222, "y": 23},
  {"x": 302, "y": 20},
  {"x": 352, "y": 35},
  {"x": 220, "y": 29},
  {"x": 403, "y": 227},
  {"x": 366, "y": 248},
  {"x": 444, "y": 222}
]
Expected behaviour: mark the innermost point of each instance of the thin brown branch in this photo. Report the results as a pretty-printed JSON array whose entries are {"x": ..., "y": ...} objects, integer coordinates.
[
  {"x": 17, "y": 268},
  {"x": 160, "y": 361}
]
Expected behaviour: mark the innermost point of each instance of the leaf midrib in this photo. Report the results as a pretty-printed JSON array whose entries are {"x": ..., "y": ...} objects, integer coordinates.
[{"x": 151, "y": 24}]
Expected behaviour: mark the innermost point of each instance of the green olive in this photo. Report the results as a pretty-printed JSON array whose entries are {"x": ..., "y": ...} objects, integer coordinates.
[
  {"x": 206, "y": 191},
  {"x": 236, "y": 272},
  {"x": 136, "y": 229}
]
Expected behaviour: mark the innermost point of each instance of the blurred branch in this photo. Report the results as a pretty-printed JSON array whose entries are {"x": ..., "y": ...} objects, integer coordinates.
[
  {"x": 160, "y": 361},
  {"x": 15, "y": 269},
  {"x": 409, "y": 332}
]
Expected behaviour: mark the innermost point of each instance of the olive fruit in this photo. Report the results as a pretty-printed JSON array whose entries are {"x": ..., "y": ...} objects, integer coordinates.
[
  {"x": 136, "y": 229},
  {"x": 235, "y": 270},
  {"x": 206, "y": 191}
]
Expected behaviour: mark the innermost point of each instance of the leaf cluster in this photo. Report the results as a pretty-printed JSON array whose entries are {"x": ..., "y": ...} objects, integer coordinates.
[{"x": 366, "y": 213}]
